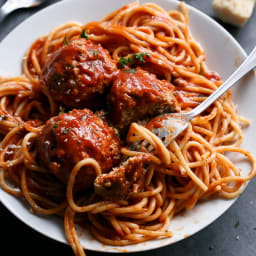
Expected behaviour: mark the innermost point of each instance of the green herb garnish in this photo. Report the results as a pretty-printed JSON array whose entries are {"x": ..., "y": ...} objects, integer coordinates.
[
  {"x": 55, "y": 125},
  {"x": 84, "y": 35},
  {"x": 132, "y": 71},
  {"x": 65, "y": 41},
  {"x": 124, "y": 61},
  {"x": 237, "y": 224},
  {"x": 66, "y": 130},
  {"x": 139, "y": 56},
  {"x": 94, "y": 52}
]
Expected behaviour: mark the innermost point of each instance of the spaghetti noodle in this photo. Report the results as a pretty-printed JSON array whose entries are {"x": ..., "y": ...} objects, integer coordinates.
[{"x": 193, "y": 167}]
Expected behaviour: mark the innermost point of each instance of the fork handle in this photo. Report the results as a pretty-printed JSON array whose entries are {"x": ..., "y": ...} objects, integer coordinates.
[
  {"x": 6, "y": 8},
  {"x": 244, "y": 68}
]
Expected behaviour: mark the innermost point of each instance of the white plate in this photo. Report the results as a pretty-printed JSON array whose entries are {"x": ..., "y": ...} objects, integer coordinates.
[{"x": 223, "y": 55}]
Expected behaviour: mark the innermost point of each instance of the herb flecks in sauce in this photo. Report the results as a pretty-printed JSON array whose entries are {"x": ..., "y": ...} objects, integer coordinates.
[{"x": 84, "y": 34}]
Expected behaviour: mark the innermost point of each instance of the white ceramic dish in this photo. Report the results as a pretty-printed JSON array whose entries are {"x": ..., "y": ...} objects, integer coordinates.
[{"x": 223, "y": 54}]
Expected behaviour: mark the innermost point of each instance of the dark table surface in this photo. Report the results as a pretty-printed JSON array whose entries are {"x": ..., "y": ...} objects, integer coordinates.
[{"x": 233, "y": 234}]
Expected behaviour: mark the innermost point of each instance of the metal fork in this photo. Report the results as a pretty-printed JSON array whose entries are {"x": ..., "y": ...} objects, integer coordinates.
[
  {"x": 12, "y": 5},
  {"x": 169, "y": 126}
]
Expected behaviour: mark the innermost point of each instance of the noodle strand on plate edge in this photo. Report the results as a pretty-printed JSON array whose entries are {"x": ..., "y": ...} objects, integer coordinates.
[{"x": 193, "y": 167}]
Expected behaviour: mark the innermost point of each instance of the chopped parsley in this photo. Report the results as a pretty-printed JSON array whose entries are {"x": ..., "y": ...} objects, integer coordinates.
[
  {"x": 84, "y": 35},
  {"x": 139, "y": 56},
  {"x": 94, "y": 52},
  {"x": 66, "y": 130},
  {"x": 237, "y": 224},
  {"x": 65, "y": 41},
  {"x": 124, "y": 61},
  {"x": 175, "y": 94},
  {"x": 132, "y": 70},
  {"x": 55, "y": 125}
]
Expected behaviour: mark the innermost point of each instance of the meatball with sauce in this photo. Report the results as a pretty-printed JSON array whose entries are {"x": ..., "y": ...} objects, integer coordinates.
[
  {"x": 137, "y": 95},
  {"x": 78, "y": 74},
  {"x": 70, "y": 137},
  {"x": 123, "y": 179}
]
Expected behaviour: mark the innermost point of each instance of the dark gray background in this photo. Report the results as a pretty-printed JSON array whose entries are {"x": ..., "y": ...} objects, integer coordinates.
[{"x": 233, "y": 234}]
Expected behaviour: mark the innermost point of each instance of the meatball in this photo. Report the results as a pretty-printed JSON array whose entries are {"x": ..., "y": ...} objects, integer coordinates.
[
  {"x": 78, "y": 74},
  {"x": 123, "y": 179},
  {"x": 137, "y": 95},
  {"x": 71, "y": 137}
]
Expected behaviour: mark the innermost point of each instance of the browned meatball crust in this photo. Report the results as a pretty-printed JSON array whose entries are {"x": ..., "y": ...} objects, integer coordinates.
[
  {"x": 78, "y": 74},
  {"x": 136, "y": 95},
  {"x": 71, "y": 137},
  {"x": 123, "y": 179}
]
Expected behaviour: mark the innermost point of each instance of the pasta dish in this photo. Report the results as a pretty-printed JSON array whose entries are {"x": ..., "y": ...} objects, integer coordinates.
[{"x": 77, "y": 127}]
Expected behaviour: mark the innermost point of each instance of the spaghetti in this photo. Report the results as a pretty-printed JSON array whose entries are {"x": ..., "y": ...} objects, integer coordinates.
[{"x": 193, "y": 167}]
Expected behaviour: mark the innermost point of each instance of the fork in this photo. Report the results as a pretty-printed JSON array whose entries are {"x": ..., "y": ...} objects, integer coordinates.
[
  {"x": 12, "y": 5},
  {"x": 169, "y": 126}
]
